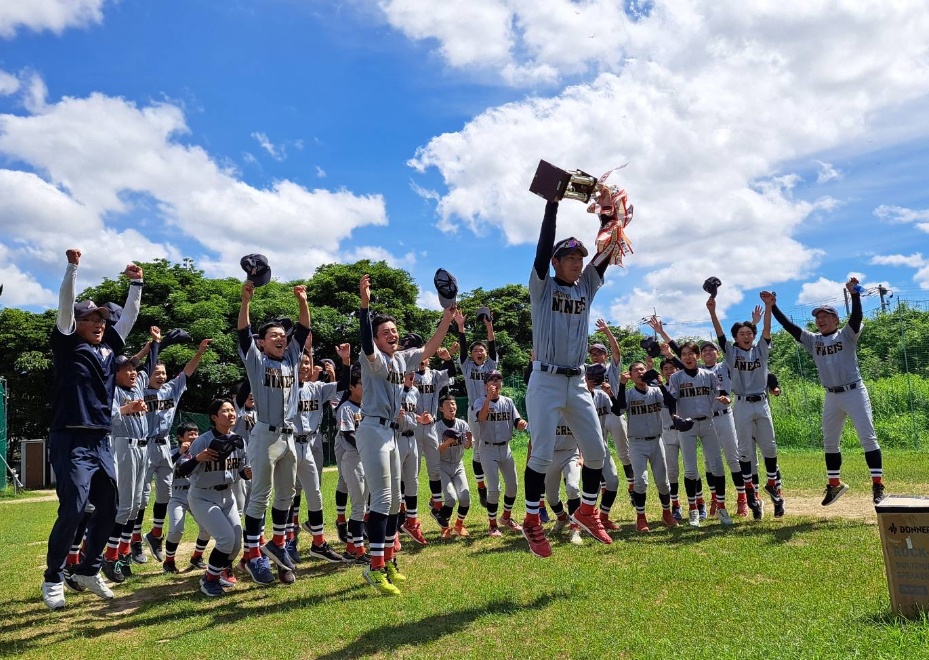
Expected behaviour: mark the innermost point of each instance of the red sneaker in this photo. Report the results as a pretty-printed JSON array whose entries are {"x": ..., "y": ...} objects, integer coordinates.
[
  {"x": 538, "y": 543},
  {"x": 668, "y": 518},
  {"x": 608, "y": 524},
  {"x": 742, "y": 508},
  {"x": 713, "y": 507},
  {"x": 227, "y": 579},
  {"x": 591, "y": 524},
  {"x": 413, "y": 529},
  {"x": 507, "y": 522},
  {"x": 641, "y": 524}
]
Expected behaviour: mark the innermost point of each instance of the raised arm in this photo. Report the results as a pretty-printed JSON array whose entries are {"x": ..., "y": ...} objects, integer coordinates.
[
  {"x": 462, "y": 337},
  {"x": 793, "y": 330},
  {"x": 367, "y": 332},
  {"x": 491, "y": 340},
  {"x": 194, "y": 362},
  {"x": 656, "y": 325},
  {"x": 769, "y": 298},
  {"x": 244, "y": 323},
  {"x": 436, "y": 339},
  {"x": 854, "y": 319},
  {"x": 65, "y": 320},
  {"x": 717, "y": 327},
  {"x": 543, "y": 250},
  {"x": 133, "y": 302},
  {"x": 616, "y": 355}
]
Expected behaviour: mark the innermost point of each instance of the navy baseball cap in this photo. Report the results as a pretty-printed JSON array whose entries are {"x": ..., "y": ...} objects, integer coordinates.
[
  {"x": 491, "y": 375},
  {"x": 257, "y": 269},
  {"x": 446, "y": 287},
  {"x": 596, "y": 372},
  {"x": 452, "y": 433},
  {"x": 597, "y": 347},
  {"x": 411, "y": 340},
  {"x": 829, "y": 309},
  {"x": 568, "y": 245},
  {"x": 87, "y": 308},
  {"x": 122, "y": 360}
]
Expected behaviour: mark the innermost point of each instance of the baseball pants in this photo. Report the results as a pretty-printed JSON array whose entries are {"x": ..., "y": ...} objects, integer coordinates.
[
  {"x": 855, "y": 404},
  {"x": 475, "y": 427},
  {"x": 158, "y": 467},
  {"x": 497, "y": 460},
  {"x": 753, "y": 425},
  {"x": 645, "y": 452},
  {"x": 216, "y": 513},
  {"x": 85, "y": 473},
  {"x": 308, "y": 476},
  {"x": 428, "y": 440},
  {"x": 728, "y": 442},
  {"x": 671, "y": 440},
  {"x": 353, "y": 474},
  {"x": 704, "y": 430},
  {"x": 616, "y": 427},
  {"x": 177, "y": 510},
  {"x": 409, "y": 464},
  {"x": 564, "y": 464},
  {"x": 610, "y": 473},
  {"x": 316, "y": 446},
  {"x": 273, "y": 459},
  {"x": 552, "y": 396},
  {"x": 381, "y": 461},
  {"x": 454, "y": 484},
  {"x": 130, "y": 473}
]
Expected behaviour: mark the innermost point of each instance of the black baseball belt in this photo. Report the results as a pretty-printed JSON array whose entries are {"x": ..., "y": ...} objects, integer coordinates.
[
  {"x": 556, "y": 369},
  {"x": 752, "y": 398},
  {"x": 406, "y": 434},
  {"x": 844, "y": 388},
  {"x": 384, "y": 421},
  {"x": 724, "y": 411}
]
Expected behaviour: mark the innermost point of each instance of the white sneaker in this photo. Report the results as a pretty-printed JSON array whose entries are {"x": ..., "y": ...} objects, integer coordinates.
[
  {"x": 94, "y": 584},
  {"x": 574, "y": 536},
  {"x": 694, "y": 518},
  {"x": 53, "y": 595},
  {"x": 724, "y": 517}
]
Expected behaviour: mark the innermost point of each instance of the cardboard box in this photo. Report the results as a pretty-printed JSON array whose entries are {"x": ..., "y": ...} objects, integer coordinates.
[{"x": 904, "y": 525}]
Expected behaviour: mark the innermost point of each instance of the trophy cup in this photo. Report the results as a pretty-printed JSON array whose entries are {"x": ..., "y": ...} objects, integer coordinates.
[{"x": 553, "y": 183}]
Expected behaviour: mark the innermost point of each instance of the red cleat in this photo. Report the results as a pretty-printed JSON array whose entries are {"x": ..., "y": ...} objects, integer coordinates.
[
  {"x": 668, "y": 518},
  {"x": 608, "y": 524},
  {"x": 414, "y": 530},
  {"x": 641, "y": 524},
  {"x": 538, "y": 543},
  {"x": 591, "y": 524}
]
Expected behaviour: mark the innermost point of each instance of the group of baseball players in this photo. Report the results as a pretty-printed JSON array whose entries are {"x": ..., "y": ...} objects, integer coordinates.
[{"x": 112, "y": 415}]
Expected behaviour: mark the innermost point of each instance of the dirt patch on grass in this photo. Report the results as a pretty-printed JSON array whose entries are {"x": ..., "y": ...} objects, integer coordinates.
[{"x": 849, "y": 506}]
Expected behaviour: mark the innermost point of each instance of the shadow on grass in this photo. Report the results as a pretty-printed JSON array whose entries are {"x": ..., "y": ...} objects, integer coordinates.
[
  {"x": 24, "y": 622},
  {"x": 890, "y": 619},
  {"x": 386, "y": 639}
]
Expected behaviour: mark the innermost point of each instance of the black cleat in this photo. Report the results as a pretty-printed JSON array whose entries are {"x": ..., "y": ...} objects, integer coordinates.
[
  {"x": 70, "y": 581},
  {"x": 342, "y": 530},
  {"x": 113, "y": 571},
  {"x": 833, "y": 493},
  {"x": 878, "y": 491}
]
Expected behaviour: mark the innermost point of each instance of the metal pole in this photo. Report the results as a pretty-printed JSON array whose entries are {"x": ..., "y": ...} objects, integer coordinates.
[
  {"x": 806, "y": 401},
  {"x": 909, "y": 384},
  {"x": 848, "y": 311}
]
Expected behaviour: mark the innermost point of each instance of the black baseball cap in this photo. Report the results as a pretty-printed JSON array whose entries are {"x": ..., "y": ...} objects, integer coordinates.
[
  {"x": 568, "y": 245},
  {"x": 491, "y": 375},
  {"x": 257, "y": 269},
  {"x": 597, "y": 347},
  {"x": 122, "y": 360},
  {"x": 452, "y": 433},
  {"x": 829, "y": 309},
  {"x": 87, "y": 308},
  {"x": 596, "y": 373}
]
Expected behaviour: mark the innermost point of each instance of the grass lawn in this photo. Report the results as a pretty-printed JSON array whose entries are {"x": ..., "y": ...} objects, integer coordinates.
[{"x": 809, "y": 586}]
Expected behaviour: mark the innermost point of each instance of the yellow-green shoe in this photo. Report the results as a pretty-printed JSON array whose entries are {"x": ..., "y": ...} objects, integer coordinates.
[
  {"x": 393, "y": 573},
  {"x": 378, "y": 578}
]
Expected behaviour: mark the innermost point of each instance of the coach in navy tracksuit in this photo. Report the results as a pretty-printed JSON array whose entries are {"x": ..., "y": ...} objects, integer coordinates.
[{"x": 84, "y": 348}]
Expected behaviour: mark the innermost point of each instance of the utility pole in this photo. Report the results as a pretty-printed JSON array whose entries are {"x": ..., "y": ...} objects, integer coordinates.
[
  {"x": 882, "y": 291},
  {"x": 848, "y": 310}
]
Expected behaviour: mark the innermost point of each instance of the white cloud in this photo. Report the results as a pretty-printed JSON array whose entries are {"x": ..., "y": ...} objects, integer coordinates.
[
  {"x": 95, "y": 157},
  {"x": 376, "y": 253},
  {"x": 900, "y": 214},
  {"x": 320, "y": 172},
  {"x": 19, "y": 288},
  {"x": 9, "y": 84},
  {"x": 428, "y": 300},
  {"x": 914, "y": 260},
  {"x": 705, "y": 101},
  {"x": 827, "y": 172},
  {"x": 276, "y": 151},
  {"x": 821, "y": 291},
  {"x": 52, "y": 15}
]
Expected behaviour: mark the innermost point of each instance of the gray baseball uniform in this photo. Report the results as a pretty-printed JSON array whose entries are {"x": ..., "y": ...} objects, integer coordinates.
[
  {"x": 496, "y": 456},
  {"x": 348, "y": 460},
  {"x": 406, "y": 442},
  {"x": 473, "y": 375},
  {"x": 130, "y": 442},
  {"x": 615, "y": 425},
  {"x": 162, "y": 406},
  {"x": 565, "y": 464},
  {"x": 604, "y": 405},
  {"x": 752, "y": 414},
  {"x": 723, "y": 420},
  {"x": 310, "y": 407},
  {"x": 643, "y": 413},
  {"x": 451, "y": 467},
  {"x": 211, "y": 499},
  {"x": 695, "y": 394},
  {"x": 271, "y": 451},
  {"x": 429, "y": 383},
  {"x": 178, "y": 505}
]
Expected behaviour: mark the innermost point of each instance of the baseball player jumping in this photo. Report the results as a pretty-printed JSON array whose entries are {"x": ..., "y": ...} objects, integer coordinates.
[
  {"x": 560, "y": 321},
  {"x": 835, "y": 352}
]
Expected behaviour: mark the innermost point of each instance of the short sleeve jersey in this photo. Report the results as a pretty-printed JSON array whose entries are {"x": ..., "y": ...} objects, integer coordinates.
[
  {"x": 274, "y": 382},
  {"x": 311, "y": 404},
  {"x": 429, "y": 384},
  {"x": 501, "y": 421},
  {"x": 455, "y": 453},
  {"x": 748, "y": 369},
  {"x": 695, "y": 394},
  {"x": 473, "y": 375},
  {"x": 643, "y": 412},
  {"x": 382, "y": 382},
  {"x": 162, "y": 405},
  {"x": 724, "y": 376},
  {"x": 133, "y": 425},
  {"x": 561, "y": 315},
  {"x": 215, "y": 473},
  {"x": 836, "y": 355}
]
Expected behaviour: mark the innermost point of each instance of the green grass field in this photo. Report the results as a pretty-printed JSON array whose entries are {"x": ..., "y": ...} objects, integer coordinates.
[{"x": 807, "y": 586}]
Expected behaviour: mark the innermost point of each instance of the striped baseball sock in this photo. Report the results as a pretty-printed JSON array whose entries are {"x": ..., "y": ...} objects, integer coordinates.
[
  {"x": 478, "y": 473},
  {"x": 341, "y": 502},
  {"x": 412, "y": 504},
  {"x": 770, "y": 468},
  {"x": 590, "y": 489},
  {"x": 606, "y": 501},
  {"x": 112, "y": 544},
  {"x": 534, "y": 483},
  {"x": 137, "y": 527},
  {"x": 356, "y": 538},
  {"x": 739, "y": 483},
  {"x": 711, "y": 484},
  {"x": 125, "y": 538},
  {"x": 200, "y": 547},
  {"x": 573, "y": 505},
  {"x": 834, "y": 468},
  {"x": 690, "y": 487},
  {"x": 279, "y": 525},
  {"x": 251, "y": 537},
  {"x": 462, "y": 512},
  {"x": 747, "y": 481},
  {"x": 170, "y": 550},
  {"x": 675, "y": 493},
  {"x": 875, "y": 464},
  {"x": 159, "y": 511},
  {"x": 435, "y": 490},
  {"x": 720, "y": 491},
  {"x": 508, "y": 503},
  {"x": 639, "y": 502},
  {"x": 377, "y": 535},
  {"x": 217, "y": 562},
  {"x": 492, "y": 512},
  {"x": 630, "y": 477},
  {"x": 665, "y": 499},
  {"x": 558, "y": 510},
  {"x": 315, "y": 522}
]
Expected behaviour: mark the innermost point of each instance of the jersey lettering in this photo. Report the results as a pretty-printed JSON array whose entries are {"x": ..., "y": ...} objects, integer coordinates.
[
  {"x": 741, "y": 364},
  {"x": 639, "y": 408},
  {"x": 276, "y": 380},
  {"x": 498, "y": 416},
  {"x": 564, "y": 304},
  {"x": 687, "y": 390},
  {"x": 563, "y": 429},
  {"x": 822, "y": 349},
  {"x": 231, "y": 464},
  {"x": 308, "y": 405}
]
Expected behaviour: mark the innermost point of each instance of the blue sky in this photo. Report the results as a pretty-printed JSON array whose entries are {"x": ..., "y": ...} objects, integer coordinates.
[{"x": 780, "y": 148}]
